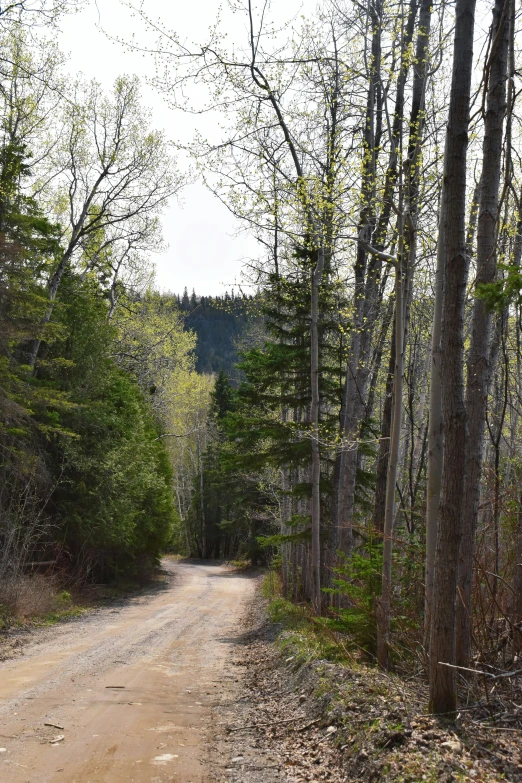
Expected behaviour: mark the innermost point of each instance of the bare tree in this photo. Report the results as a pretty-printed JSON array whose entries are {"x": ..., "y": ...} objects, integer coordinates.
[{"x": 35, "y": 13}]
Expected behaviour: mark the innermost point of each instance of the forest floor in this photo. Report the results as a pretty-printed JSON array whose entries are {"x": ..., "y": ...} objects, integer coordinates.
[
  {"x": 303, "y": 719},
  {"x": 192, "y": 682}
]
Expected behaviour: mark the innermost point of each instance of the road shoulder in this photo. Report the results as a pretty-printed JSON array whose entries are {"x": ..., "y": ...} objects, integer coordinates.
[{"x": 292, "y": 718}]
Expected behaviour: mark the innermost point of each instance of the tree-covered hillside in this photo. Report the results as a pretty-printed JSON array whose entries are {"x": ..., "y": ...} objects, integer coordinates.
[{"x": 223, "y": 326}]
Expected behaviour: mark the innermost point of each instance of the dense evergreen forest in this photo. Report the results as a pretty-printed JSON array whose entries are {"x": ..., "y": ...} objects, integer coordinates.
[
  {"x": 223, "y": 325},
  {"x": 356, "y": 424}
]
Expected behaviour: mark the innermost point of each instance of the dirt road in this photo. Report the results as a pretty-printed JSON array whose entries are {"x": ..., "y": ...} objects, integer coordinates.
[{"x": 132, "y": 687}]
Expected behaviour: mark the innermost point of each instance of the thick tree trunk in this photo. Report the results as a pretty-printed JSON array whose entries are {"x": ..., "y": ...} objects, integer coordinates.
[
  {"x": 443, "y": 695},
  {"x": 478, "y": 366},
  {"x": 435, "y": 436}
]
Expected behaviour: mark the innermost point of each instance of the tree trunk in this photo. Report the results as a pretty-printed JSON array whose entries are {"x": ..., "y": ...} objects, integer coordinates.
[
  {"x": 517, "y": 583},
  {"x": 377, "y": 357},
  {"x": 53, "y": 286},
  {"x": 314, "y": 420},
  {"x": 379, "y": 509},
  {"x": 370, "y": 297},
  {"x": 418, "y": 443},
  {"x": 403, "y": 288},
  {"x": 443, "y": 695},
  {"x": 384, "y": 604},
  {"x": 346, "y": 459},
  {"x": 435, "y": 435},
  {"x": 478, "y": 370},
  {"x": 285, "y": 530},
  {"x": 435, "y": 438}
]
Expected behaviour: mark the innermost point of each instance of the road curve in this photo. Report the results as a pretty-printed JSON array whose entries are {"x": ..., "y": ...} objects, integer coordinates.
[{"x": 132, "y": 687}]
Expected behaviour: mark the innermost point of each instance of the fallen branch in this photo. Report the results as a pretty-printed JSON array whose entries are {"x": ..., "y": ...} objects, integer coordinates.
[
  {"x": 500, "y": 676},
  {"x": 499, "y": 728}
]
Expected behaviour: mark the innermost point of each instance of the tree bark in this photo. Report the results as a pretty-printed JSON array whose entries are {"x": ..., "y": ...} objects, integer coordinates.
[
  {"x": 384, "y": 604},
  {"x": 517, "y": 583},
  {"x": 435, "y": 438},
  {"x": 403, "y": 287},
  {"x": 352, "y": 405},
  {"x": 368, "y": 295},
  {"x": 478, "y": 369},
  {"x": 314, "y": 420},
  {"x": 443, "y": 695},
  {"x": 379, "y": 509},
  {"x": 377, "y": 356}
]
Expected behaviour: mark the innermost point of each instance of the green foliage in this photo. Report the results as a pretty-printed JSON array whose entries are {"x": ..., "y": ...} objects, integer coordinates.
[
  {"x": 285, "y": 612},
  {"x": 113, "y": 497},
  {"x": 223, "y": 519},
  {"x": 305, "y": 637},
  {"x": 508, "y": 288},
  {"x": 357, "y": 584},
  {"x": 222, "y": 397},
  {"x": 84, "y": 471},
  {"x": 64, "y": 598},
  {"x": 264, "y": 425}
]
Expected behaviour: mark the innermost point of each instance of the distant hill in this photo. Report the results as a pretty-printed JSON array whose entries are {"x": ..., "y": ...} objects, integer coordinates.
[{"x": 223, "y": 325}]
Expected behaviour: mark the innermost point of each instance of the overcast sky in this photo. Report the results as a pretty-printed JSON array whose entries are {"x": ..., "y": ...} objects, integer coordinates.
[{"x": 205, "y": 249}]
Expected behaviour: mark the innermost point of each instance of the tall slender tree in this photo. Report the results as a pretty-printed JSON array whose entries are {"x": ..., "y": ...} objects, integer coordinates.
[
  {"x": 478, "y": 365},
  {"x": 443, "y": 694}
]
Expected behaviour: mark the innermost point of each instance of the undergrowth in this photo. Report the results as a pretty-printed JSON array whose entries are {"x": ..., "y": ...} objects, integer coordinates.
[
  {"x": 305, "y": 635},
  {"x": 381, "y": 726}
]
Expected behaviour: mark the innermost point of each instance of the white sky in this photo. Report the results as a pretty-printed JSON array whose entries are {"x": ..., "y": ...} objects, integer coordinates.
[{"x": 205, "y": 251}]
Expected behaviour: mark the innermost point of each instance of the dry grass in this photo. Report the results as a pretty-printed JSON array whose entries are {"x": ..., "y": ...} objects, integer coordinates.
[{"x": 28, "y": 596}]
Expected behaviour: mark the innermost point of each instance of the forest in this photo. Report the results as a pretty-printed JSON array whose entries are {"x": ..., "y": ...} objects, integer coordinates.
[
  {"x": 223, "y": 326},
  {"x": 354, "y": 422}
]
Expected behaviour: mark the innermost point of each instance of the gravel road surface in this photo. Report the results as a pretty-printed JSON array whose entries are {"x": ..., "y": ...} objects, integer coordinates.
[{"x": 129, "y": 690}]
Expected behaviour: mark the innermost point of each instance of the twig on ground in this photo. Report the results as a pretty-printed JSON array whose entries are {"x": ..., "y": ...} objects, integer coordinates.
[
  {"x": 260, "y": 725},
  {"x": 312, "y": 723}
]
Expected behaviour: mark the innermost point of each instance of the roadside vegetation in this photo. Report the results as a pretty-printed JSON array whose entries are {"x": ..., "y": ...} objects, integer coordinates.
[
  {"x": 362, "y": 722},
  {"x": 88, "y": 351}
]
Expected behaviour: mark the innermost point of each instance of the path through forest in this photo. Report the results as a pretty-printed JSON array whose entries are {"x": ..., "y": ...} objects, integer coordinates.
[{"x": 129, "y": 690}]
